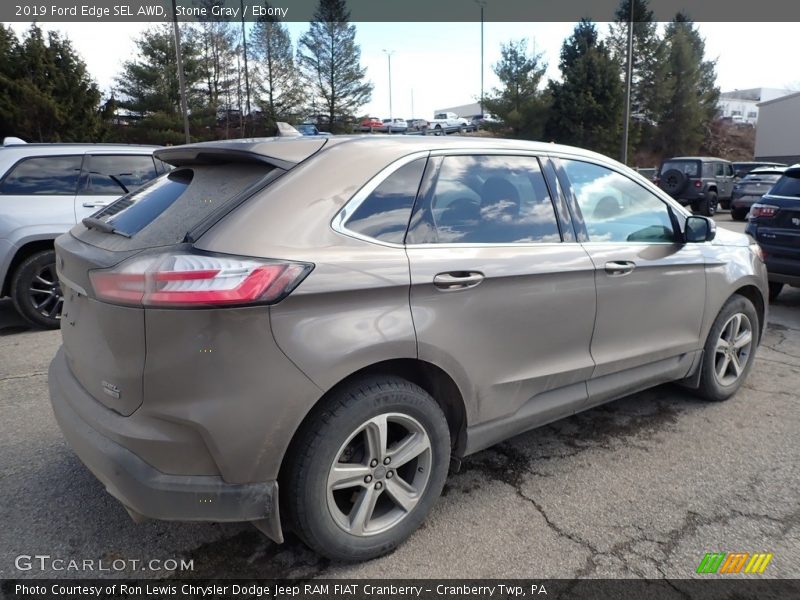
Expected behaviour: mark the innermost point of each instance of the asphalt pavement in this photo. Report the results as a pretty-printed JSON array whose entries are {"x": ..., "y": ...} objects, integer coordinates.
[{"x": 641, "y": 487}]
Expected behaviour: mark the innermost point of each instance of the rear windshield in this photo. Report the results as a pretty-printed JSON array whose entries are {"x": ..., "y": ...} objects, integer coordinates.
[
  {"x": 687, "y": 167},
  {"x": 166, "y": 209},
  {"x": 761, "y": 178},
  {"x": 788, "y": 185}
]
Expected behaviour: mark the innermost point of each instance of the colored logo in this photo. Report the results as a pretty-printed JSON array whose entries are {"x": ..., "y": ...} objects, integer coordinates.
[{"x": 734, "y": 562}]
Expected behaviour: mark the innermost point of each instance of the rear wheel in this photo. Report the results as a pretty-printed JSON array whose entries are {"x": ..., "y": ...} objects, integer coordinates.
[
  {"x": 36, "y": 292},
  {"x": 738, "y": 214},
  {"x": 367, "y": 468},
  {"x": 729, "y": 350},
  {"x": 775, "y": 288},
  {"x": 708, "y": 205}
]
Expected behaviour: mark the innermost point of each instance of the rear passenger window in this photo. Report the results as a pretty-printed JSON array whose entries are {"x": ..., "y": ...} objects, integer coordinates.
[
  {"x": 45, "y": 175},
  {"x": 385, "y": 213},
  {"x": 487, "y": 200},
  {"x": 118, "y": 175},
  {"x": 788, "y": 185}
]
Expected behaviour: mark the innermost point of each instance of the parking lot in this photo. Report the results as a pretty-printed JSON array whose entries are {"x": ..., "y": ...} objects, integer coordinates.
[{"x": 642, "y": 487}]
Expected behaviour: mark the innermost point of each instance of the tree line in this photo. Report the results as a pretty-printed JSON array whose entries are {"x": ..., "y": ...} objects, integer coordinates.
[{"x": 46, "y": 93}]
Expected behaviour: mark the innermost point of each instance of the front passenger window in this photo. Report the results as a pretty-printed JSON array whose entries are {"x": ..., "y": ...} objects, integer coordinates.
[{"x": 615, "y": 208}]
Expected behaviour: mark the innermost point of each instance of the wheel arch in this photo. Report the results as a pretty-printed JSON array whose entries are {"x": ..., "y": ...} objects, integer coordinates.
[
  {"x": 755, "y": 296},
  {"x": 24, "y": 252}
]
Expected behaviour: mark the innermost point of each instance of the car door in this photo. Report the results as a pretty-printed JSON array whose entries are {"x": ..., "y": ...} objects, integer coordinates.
[
  {"x": 502, "y": 296},
  {"x": 650, "y": 288},
  {"x": 106, "y": 177}
]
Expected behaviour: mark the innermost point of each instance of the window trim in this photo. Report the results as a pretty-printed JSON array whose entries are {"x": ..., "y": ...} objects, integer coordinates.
[
  {"x": 339, "y": 221},
  {"x": 84, "y": 188},
  {"x": 11, "y": 169}
]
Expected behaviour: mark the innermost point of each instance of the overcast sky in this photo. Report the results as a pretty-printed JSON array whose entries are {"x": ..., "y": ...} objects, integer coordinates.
[{"x": 439, "y": 63}]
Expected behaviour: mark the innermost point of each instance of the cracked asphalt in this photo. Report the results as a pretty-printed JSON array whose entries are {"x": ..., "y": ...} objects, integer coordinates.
[{"x": 641, "y": 487}]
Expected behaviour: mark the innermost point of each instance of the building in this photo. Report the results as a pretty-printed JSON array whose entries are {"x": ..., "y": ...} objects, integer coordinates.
[
  {"x": 778, "y": 131},
  {"x": 742, "y": 105}
]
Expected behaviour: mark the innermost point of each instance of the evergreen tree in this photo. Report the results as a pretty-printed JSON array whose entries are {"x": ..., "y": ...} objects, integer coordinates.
[
  {"x": 46, "y": 93},
  {"x": 586, "y": 103},
  {"x": 691, "y": 94},
  {"x": 519, "y": 102},
  {"x": 277, "y": 84},
  {"x": 331, "y": 63}
]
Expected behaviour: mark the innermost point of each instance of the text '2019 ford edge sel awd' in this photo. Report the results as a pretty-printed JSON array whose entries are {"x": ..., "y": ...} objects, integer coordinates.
[{"x": 305, "y": 332}]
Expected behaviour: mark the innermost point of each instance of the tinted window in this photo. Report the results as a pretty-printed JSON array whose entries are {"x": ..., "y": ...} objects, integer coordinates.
[
  {"x": 788, "y": 185},
  {"x": 615, "y": 208},
  {"x": 487, "y": 199},
  {"x": 51, "y": 175},
  {"x": 384, "y": 214},
  {"x": 719, "y": 169},
  {"x": 687, "y": 167},
  {"x": 117, "y": 175}
]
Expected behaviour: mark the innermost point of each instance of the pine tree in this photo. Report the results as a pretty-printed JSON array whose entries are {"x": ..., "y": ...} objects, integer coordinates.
[
  {"x": 691, "y": 94},
  {"x": 519, "y": 102},
  {"x": 586, "y": 103},
  {"x": 277, "y": 84},
  {"x": 330, "y": 61}
]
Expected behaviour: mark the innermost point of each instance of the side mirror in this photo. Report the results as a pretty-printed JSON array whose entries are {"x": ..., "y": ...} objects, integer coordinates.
[{"x": 699, "y": 229}]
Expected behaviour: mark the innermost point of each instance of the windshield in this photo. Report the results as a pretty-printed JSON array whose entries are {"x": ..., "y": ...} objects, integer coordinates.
[{"x": 687, "y": 167}]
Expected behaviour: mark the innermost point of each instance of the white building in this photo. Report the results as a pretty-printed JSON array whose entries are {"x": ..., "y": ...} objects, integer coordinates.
[
  {"x": 742, "y": 105},
  {"x": 778, "y": 131}
]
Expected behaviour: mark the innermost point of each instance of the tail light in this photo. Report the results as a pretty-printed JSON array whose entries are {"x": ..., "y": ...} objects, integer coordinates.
[
  {"x": 763, "y": 210},
  {"x": 698, "y": 184},
  {"x": 185, "y": 279}
]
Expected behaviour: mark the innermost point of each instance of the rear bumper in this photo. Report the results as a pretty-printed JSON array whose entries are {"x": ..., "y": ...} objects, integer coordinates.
[{"x": 146, "y": 491}]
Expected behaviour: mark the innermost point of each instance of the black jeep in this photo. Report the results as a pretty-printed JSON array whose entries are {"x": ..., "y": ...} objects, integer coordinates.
[{"x": 699, "y": 181}]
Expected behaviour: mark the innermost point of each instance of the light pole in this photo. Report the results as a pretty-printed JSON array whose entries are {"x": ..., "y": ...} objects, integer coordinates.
[
  {"x": 482, "y": 4},
  {"x": 626, "y": 116},
  {"x": 389, "y": 56}
]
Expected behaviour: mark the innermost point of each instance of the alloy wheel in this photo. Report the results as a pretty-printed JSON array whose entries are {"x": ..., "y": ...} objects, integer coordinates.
[
  {"x": 733, "y": 348},
  {"x": 44, "y": 292}
]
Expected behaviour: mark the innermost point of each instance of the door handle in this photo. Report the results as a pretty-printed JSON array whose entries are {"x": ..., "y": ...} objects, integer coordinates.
[
  {"x": 96, "y": 204},
  {"x": 457, "y": 280},
  {"x": 617, "y": 268}
]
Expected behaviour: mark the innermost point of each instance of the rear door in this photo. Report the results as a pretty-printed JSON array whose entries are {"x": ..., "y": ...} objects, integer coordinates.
[
  {"x": 106, "y": 177},
  {"x": 502, "y": 295},
  {"x": 650, "y": 289}
]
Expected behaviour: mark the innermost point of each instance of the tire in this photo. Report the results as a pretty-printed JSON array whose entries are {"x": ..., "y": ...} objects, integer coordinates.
[
  {"x": 734, "y": 334},
  {"x": 725, "y": 204},
  {"x": 673, "y": 181},
  {"x": 326, "y": 518},
  {"x": 36, "y": 292},
  {"x": 708, "y": 205},
  {"x": 738, "y": 214},
  {"x": 438, "y": 130},
  {"x": 775, "y": 288}
]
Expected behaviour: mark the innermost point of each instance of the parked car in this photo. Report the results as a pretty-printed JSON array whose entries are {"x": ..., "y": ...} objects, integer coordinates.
[
  {"x": 485, "y": 120},
  {"x": 351, "y": 314},
  {"x": 309, "y": 129},
  {"x": 742, "y": 168},
  {"x": 44, "y": 188},
  {"x": 774, "y": 222},
  {"x": 446, "y": 122},
  {"x": 417, "y": 124},
  {"x": 371, "y": 124},
  {"x": 395, "y": 125},
  {"x": 751, "y": 188},
  {"x": 697, "y": 181}
]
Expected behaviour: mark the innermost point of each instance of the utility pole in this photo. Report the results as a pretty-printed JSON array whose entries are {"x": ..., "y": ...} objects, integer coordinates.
[
  {"x": 412, "y": 103},
  {"x": 389, "y": 56},
  {"x": 246, "y": 76},
  {"x": 482, "y": 4},
  {"x": 626, "y": 116},
  {"x": 181, "y": 78}
]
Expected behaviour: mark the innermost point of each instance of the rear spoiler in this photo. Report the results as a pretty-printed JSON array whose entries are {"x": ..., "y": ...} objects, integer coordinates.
[{"x": 283, "y": 153}]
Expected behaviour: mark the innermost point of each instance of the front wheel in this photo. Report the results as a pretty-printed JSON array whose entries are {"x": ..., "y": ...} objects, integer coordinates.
[
  {"x": 36, "y": 292},
  {"x": 367, "y": 468},
  {"x": 729, "y": 350}
]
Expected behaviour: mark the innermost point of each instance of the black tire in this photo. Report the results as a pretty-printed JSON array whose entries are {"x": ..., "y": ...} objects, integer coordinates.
[
  {"x": 775, "y": 288},
  {"x": 324, "y": 518},
  {"x": 739, "y": 214},
  {"x": 36, "y": 292},
  {"x": 713, "y": 386},
  {"x": 725, "y": 204},
  {"x": 438, "y": 130},
  {"x": 708, "y": 205},
  {"x": 673, "y": 181}
]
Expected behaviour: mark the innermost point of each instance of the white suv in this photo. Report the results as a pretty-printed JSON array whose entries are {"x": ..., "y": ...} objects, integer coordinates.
[{"x": 44, "y": 190}]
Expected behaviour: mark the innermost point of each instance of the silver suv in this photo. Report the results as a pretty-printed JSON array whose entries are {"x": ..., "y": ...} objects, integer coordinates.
[
  {"x": 44, "y": 189},
  {"x": 305, "y": 333}
]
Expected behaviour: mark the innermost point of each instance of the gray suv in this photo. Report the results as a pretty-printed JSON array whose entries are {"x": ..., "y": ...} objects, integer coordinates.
[
  {"x": 44, "y": 189},
  {"x": 306, "y": 333},
  {"x": 701, "y": 182}
]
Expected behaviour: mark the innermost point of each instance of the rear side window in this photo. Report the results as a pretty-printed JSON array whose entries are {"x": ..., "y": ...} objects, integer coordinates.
[
  {"x": 44, "y": 175},
  {"x": 116, "y": 175},
  {"x": 385, "y": 213},
  {"x": 788, "y": 185},
  {"x": 487, "y": 200}
]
